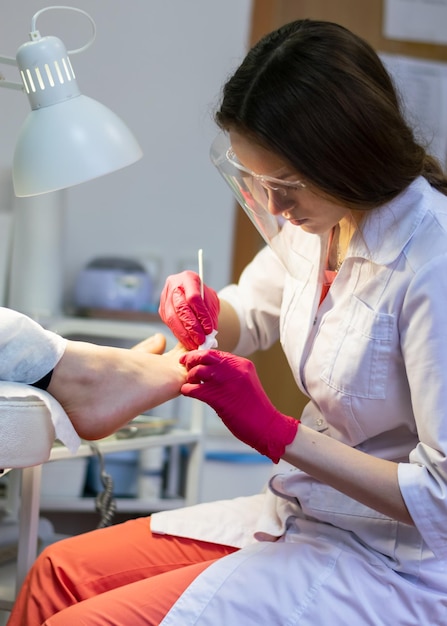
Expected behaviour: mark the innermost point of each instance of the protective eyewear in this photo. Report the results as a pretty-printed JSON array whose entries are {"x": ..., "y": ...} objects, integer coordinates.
[
  {"x": 263, "y": 199},
  {"x": 268, "y": 182}
]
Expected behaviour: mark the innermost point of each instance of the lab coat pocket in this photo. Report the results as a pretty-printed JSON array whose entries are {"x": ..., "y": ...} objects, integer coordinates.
[
  {"x": 374, "y": 530},
  {"x": 396, "y": 544},
  {"x": 358, "y": 358}
]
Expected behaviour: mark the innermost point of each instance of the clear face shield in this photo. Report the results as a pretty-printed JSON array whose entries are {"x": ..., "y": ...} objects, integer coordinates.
[{"x": 263, "y": 198}]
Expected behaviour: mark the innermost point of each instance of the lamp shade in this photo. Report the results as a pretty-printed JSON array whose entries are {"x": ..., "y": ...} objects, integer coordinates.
[
  {"x": 69, "y": 143},
  {"x": 67, "y": 137}
]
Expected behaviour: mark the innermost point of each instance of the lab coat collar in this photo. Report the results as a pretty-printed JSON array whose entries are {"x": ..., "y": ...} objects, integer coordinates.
[{"x": 386, "y": 230}]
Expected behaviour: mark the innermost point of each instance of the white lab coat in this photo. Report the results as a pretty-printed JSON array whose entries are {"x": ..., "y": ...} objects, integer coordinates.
[
  {"x": 27, "y": 351},
  {"x": 373, "y": 361}
]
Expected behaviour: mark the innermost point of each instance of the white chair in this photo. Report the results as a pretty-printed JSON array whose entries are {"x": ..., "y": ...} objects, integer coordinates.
[
  {"x": 27, "y": 435},
  {"x": 26, "y": 429}
]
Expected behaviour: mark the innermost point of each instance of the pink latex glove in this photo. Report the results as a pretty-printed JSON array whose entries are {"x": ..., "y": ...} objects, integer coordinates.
[
  {"x": 230, "y": 385},
  {"x": 182, "y": 308}
]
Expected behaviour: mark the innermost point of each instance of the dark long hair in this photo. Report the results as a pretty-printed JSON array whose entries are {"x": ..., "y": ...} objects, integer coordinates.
[{"x": 319, "y": 97}]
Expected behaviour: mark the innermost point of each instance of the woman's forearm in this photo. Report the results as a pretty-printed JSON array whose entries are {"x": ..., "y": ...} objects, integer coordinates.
[
  {"x": 367, "y": 479},
  {"x": 229, "y": 328}
]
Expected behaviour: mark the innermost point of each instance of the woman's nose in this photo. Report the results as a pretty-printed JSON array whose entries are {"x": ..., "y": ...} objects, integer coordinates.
[{"x": 277, "y": 203}]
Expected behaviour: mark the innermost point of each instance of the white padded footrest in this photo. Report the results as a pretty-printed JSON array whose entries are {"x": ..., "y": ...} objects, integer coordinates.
[
  {"x": 26, "y": 429},
  {"x": 30, "y": 421}
]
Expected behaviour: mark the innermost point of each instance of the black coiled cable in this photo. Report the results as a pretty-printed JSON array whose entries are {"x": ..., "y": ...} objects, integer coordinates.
[{"x": 105, "y": 503}]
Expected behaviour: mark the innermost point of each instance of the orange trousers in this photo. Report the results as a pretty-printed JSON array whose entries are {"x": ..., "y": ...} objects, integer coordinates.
[{"x": 119, "y": 575}]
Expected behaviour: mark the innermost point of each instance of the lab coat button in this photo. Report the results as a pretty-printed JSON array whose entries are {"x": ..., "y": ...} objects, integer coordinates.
[{"x": 320, "y": 422}]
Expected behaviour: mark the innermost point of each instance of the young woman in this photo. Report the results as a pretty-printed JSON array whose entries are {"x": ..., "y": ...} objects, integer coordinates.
[{"x": 351, "y": 528}]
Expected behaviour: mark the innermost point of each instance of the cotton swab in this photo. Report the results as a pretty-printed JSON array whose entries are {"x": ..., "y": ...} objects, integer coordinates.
[
  {"x": 210, "y": 340},
  {"x": 200, "y": 260}
]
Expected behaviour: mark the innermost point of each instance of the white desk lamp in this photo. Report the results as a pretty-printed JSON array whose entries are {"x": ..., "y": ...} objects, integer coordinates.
[{"x": 66, "y": 139}]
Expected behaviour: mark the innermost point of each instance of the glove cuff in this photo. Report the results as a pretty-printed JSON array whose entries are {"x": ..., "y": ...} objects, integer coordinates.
[{"x": 285, "y": 432}]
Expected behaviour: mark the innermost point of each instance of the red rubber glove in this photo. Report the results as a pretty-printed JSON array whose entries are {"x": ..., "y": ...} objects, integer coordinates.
[
  {"x": 230, "y": 385},
  {"x": 182, "y": 308}
]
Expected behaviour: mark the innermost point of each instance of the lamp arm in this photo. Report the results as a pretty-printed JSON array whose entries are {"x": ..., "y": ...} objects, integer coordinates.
[
  {"x": 10, "y": 85},
  {"x": 6, "y": 83},
  {"x": 8, "y": 60}
]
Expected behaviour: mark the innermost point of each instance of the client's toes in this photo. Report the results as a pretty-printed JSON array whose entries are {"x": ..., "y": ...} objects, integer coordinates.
[{"x": 156, "y": 344}]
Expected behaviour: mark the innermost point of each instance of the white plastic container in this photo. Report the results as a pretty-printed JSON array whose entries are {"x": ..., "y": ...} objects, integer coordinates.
[
  {"x": 64, "y": 479},
  {"x": 122, "y": 467},
  {"x": 231, "y": 473}
]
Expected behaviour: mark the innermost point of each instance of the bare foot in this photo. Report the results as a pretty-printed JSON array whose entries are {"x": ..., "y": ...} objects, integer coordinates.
[{"x": 102, "y": 388}]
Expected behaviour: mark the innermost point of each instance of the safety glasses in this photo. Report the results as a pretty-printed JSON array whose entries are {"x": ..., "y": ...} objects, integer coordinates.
[
  {"x": 277, "y": 185},
  {"x": 263, "y": 198}
]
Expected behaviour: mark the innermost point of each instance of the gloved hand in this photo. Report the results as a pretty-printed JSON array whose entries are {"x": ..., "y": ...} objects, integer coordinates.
[
  {"x": 230, "y": 385},
  {"x": 182, "y": 308}
]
